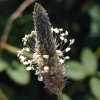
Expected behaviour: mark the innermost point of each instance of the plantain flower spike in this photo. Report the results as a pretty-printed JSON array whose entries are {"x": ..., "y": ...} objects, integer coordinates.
[{"x": 44, "y": 52}]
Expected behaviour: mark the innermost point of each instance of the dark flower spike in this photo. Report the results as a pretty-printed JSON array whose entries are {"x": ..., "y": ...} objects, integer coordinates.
[
  {"x": 43, "y": 30},
  {"x": 42, "y": 54}
]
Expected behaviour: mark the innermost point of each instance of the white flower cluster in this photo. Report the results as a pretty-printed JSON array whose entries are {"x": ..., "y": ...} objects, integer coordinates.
[
  {"x": 63, "y": 41},
  {"x": 31, "y": 57}
]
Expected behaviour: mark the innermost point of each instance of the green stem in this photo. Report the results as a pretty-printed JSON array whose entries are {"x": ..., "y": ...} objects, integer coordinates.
[{"x": 59, "y": 95}]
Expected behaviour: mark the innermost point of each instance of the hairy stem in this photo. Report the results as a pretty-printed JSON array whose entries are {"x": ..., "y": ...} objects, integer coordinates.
[{"x": 59, "y": 95}]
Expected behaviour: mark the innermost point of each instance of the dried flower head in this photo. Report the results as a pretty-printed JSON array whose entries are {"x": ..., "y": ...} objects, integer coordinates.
[{"x": 44, "y": 53}]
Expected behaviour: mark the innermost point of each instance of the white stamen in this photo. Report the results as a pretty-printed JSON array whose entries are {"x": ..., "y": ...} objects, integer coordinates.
[
  {"x": 46, "y": 68},
  {"x": 65, "y": 40},
  {"x": 35, "y": 55},
  {"x": 19, "y": 51},
  {"x": 32, "y": 32},
  {"x": 18, "y": 54},
  {"x": 40, "y": 78},
  {"x": 71, "y": 41},
  {"x": 67, "y": 49},
  {"x": 27, "y": 49},
  {"x": 52, "y": 29},
  {"x": 61, "y": 61},
  {"x": 56, "y": 30},
  {"x": 26, "y": 63},
  {"x": 59, "y": 52},
  {"x": 31, "y": 35},
  {"x": 22, "y": 58},
  {"x": 46, "y": 56},
  {"x": 67, "y": 57},
  {"x": 29, "y": 68},
  {"x": 26, "y": 37},
  {"x": 62, "y": 38},
  {"x": 24, "y": 40},
  {"x": 37, "y": 72},
  {"x": 24, "y": 43},
  {"x": 60, "y": 29},
  {"x": 40, "y": 60},
  {"x": 38, "y": 56},
  {"x": 63, "y": 34},
  {"x": 66, "y": 32}
]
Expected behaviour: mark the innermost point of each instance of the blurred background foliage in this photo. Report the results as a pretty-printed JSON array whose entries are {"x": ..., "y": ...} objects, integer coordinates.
[{"x": 81, "y": 18}]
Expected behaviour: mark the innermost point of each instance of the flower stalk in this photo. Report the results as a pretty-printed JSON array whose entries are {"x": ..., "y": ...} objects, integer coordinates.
[
  {"x": 59, "y": 95},
  {"x": 45, "y": 45}
]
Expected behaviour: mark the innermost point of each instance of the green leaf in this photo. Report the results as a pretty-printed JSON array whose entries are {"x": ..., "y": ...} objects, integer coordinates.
[
  {"x": 89, "y": 61},
  {"x": 95, "y": 87},
  {"x": 19, "y": 74},
  {"x": 3, "y": 65},
  {"x": 75, "y": 70},
  {"x": 65, "y": 97}
]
